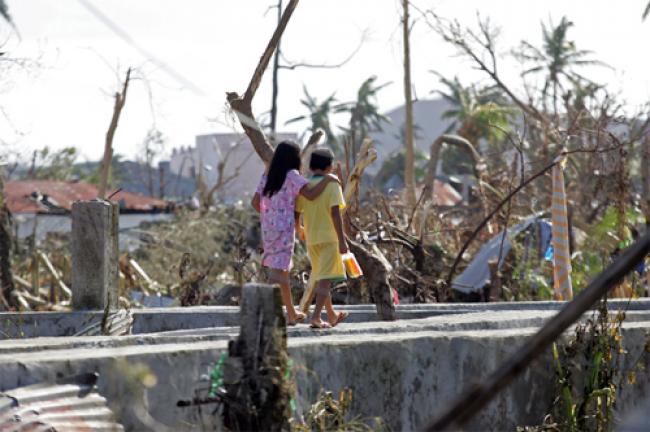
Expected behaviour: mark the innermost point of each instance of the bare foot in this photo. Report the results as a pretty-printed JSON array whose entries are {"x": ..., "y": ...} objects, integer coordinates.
[{"x": 295, "y": 318}]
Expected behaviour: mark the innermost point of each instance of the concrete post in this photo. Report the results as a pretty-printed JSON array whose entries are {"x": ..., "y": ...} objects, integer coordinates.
[
  {"x": 254, "y": 372},
  {"x": 94, "y": 254}
]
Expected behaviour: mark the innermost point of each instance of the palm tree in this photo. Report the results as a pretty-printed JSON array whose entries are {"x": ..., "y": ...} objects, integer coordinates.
[
  {"x": 476, "y": 112},
  {"x": 364, "y": 114},
  {"x": 319, "y": 116},
  {"x": 557, "y": 59}
]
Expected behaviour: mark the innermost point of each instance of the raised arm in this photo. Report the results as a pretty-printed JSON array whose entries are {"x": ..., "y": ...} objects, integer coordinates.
[
  {"x": 338, "y": 226},
  {"x": 255, "y": 202},
  {"x": 313, "y": 192}
]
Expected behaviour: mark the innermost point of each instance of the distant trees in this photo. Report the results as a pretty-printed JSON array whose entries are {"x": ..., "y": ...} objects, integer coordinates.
[
  {"x": 557, "y": 59},
  {"x": 477, "y": 112},
  {"x": 151, "y": 148},
  {"x": 48, "y": 164},
  {"x": 364, "y": 117},
  {"x": 320, "y": 116},
  {"x": 365, "y": 114}
]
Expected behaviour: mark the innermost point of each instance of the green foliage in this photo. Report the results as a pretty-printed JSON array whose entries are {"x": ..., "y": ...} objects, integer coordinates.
[
  {"x": 478, "y": 112},
  {"x": 600, "y": 242},
  {"x": 319, "y": 115},
  {"x": 557, "y": 58},
  {"x": 53, "y": 165},
  {"x": 331, "y": 414},
  {"x": 364, "y": 115},
  {"x": 588, "y": 370},
  {"x": 93, "y": 175}
]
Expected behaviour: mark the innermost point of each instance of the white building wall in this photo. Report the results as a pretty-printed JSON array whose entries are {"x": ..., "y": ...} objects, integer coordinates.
[{"x": 210, "y": 150}]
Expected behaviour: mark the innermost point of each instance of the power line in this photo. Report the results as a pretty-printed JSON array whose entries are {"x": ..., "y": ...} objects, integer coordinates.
[{"x": 119, "y": 32}]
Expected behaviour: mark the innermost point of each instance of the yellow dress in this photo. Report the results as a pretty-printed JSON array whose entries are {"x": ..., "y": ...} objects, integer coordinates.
[{"x": 320, "y": 234}]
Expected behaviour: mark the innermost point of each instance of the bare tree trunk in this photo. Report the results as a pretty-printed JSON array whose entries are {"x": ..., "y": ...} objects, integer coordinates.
[
  {"x": 242, "y": 105},
  {"x": 161, "y": 181},
  {"x": 376, "y": 270},
  {"x": 120, "y": 100},
  {"x": 6, "y": 275},
  {"x": 434, "y": 156},
  {"x": 409, "y": 161},
  {"x": 150, "y": 180},
  {"x": 276, "y": 70}
]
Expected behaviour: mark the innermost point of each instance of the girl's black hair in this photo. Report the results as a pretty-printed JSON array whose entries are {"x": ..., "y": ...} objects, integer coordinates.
[{"x": 285, "y": 158}]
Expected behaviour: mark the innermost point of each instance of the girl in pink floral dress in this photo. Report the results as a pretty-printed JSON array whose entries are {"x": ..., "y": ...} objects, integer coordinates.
[{"x": 275, "y": 200}]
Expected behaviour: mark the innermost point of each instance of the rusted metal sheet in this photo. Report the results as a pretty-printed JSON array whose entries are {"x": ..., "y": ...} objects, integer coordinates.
[
  {"x": 72, "y": 404},
  {"x": 46, "y": 196}
]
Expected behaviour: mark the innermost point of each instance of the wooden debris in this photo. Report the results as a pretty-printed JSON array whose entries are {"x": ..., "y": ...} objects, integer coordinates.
[{"x": 55, "y": 274}]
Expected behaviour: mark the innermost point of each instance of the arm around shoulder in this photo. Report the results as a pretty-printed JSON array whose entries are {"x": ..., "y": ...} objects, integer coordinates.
[
  {"x": 313, "y": 192},
  {"x": 255, "y": 202}
]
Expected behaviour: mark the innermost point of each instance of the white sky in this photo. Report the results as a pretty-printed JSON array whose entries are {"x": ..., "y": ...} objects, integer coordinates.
[{"x": 216, "y": 44}]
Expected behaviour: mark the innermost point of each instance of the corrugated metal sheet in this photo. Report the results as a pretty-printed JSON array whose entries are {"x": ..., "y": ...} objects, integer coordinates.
[
  {"x": 117, "y": 324},
  {"x": 45, "y": 196},
  {"x": 72, "y": 404}
]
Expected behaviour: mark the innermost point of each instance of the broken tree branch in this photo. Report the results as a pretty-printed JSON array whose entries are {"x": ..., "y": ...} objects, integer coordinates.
[
  {"x": 305, "y": 152},
  {"x": 432, "y": 167},
  {"x": 365, "y": 157},
  {"x": 484, "y": 222},
  {"x": 120, "y": 100},
  {"x": 268, "y": 52},
  {"x": 242, "y": 105}
]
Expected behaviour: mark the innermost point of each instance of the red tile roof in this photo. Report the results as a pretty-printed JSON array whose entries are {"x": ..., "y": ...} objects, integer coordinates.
[{"x": 20, "y": 198}]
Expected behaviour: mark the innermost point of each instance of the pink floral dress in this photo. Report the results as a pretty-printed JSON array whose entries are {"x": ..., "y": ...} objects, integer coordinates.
[{"x": 278, "y": 225}]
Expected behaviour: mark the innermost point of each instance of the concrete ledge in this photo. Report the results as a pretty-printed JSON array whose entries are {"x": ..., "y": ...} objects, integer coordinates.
[
  {"x": 405, "y": 372},
  {"x": 153, "y": 320}
]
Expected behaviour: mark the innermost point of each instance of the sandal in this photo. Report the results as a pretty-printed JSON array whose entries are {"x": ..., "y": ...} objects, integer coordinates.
[
  {"x": 340, "y": 317},
  {"x": 321, "y": 326}
]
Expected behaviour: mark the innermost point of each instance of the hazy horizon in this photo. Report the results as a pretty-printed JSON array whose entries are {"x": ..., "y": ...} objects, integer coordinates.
[{"x": 212, "y": 47}]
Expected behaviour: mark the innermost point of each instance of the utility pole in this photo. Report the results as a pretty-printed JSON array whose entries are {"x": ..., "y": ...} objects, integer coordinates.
[{"x": 409, "y": 163}]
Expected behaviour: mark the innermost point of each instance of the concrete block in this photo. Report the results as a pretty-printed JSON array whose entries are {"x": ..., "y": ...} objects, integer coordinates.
[{"x": 94, "y": 254}]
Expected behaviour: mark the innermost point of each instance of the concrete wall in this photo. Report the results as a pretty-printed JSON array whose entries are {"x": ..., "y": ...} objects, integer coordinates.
[{"x": 406, "y": 371}]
